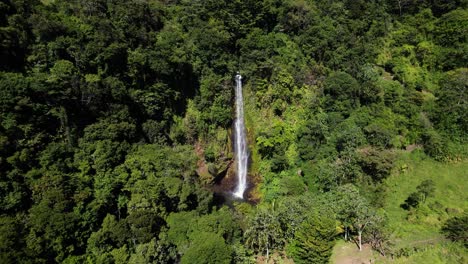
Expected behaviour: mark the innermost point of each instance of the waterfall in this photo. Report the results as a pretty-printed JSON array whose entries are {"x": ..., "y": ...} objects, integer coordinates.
[{"x": 240, "y": 148}]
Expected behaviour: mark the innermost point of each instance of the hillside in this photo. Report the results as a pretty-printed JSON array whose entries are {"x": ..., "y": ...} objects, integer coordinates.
[
  {"x": 416, "y": 233},
  {"x": 117, "y": 131}
]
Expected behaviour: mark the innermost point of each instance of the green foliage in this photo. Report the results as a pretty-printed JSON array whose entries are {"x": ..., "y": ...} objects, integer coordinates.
[
  {"x": 160, "y": 179},
  {"x": 424, "y": 223},
  {"x": 426, "y": 188},
  {"x": 413, "y": 200},
  {"x": 180, "y": 226},
  {"x": 292, "y": 211},
  {"x": 377, "y": 164},
  {"x": 314, "y": 239},
  {"x": 423, "y": 191},
  {"x": 156, "y": 251},
  {"x": 263, "y": 232},
  {"x": 207, "y": 248},
  {"x": 311, "y": 136},
  {"x": 51, "y": 222},
  {"x": 241, "y": 254},
  {"x": 435, "y": 145},
  {"x": 186, "y": 227},
  {"x": 456, "y": 229},
  {"x": 449, "y": 34},
  {"x": 378, "y": 236},
  {"x": 9, "y": 230},
  {"x": 341, "y": 91},
  {"x": 348, "y": 136},
  {"x": 272, "y": 140},
  {"x": 115, "y": 119},
  {"x": 113, "y": 234},
  {"x": 451, "y": 104}
]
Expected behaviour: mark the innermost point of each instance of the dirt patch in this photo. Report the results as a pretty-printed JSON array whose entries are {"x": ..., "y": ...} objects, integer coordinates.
[
  {"x": 348, "y": 253},
  {"x": 275, "y": 258},
  {"x": 412, "y": 147}
]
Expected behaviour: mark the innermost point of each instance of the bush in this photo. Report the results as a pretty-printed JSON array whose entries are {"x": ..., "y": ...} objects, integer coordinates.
[
  {"x": 424, "y": 190},
  {"x": 207, "y": 248},
  {"x": 377, "y": 164},
  {"x": 314, "y": 240},
  {"x": 435, "y": 145},
  {"x": 456, "y": 229},
  {"x": 342, "y": 93}
]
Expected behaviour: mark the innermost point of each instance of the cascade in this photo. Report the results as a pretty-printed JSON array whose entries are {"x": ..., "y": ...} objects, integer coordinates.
[{"x": 240, "y": 145}]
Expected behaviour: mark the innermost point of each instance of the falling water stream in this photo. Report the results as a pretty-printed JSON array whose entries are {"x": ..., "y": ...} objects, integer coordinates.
[{"x": 242, "y": 154}]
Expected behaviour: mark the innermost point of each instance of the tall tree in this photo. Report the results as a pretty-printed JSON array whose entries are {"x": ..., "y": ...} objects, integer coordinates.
[
  {"x": 314, "y": 239},
  {"x": 263, "y": 232}
]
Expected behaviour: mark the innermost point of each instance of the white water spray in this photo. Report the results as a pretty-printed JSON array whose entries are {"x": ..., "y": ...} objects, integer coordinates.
[{"x": 242, "y": 154}]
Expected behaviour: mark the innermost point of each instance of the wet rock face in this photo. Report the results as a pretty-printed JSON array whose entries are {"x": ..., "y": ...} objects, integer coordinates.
[
  {"x": 223, "y": 183},
  {"x": 218, "y": 175},
  {"x": 226, "y": 182},
  {"x": 220, "y": 170},
  {"x": 225, "y": 167}
]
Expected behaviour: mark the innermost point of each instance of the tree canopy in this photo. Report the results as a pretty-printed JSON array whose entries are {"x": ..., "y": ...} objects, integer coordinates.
[{"x": 116, "y": 124}]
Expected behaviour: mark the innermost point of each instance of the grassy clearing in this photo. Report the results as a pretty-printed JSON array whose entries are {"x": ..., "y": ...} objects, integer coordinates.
[
  {"x": 418, "y": 231},
  {"x": 348, "y": 253},
  {"x": 423, "y": 224},
  {"x": 441, "y": 253}
]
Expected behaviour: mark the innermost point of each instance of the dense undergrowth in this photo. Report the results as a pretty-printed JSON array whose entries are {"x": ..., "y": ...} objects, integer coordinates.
[{"x": 115, "y": 126}]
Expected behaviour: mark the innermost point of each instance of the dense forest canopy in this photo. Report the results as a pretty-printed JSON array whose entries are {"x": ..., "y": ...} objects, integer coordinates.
[{"x": 116, "y": 116}]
